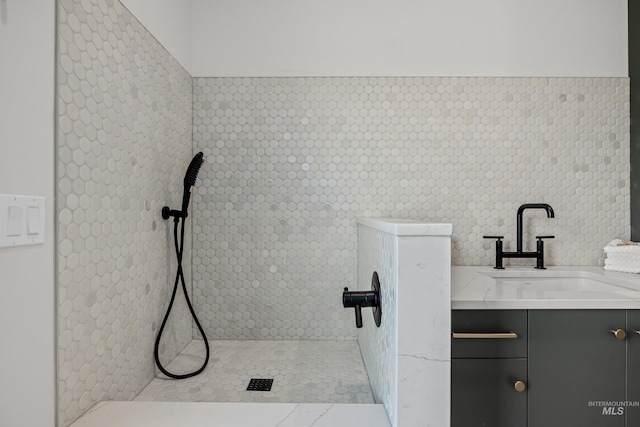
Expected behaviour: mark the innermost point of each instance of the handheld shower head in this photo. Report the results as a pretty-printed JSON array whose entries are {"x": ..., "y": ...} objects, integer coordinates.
[
  {"x": 190, "y": 179},
  {"x": 192, "y": 171}
]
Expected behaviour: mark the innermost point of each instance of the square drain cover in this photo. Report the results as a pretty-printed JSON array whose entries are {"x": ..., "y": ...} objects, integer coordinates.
[{"x": 260, "y": 384}]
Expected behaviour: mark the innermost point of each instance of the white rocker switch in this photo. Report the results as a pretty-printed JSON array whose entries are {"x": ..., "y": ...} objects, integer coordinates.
[
  {"x": 14, "y": 221},
  {"x": 33, "y": 220}
]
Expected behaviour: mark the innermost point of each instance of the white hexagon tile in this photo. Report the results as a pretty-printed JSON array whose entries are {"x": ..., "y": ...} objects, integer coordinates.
[
  {"x": 124, "y": 140},
  {"x": 304, "y": 371},
  {"x": 292, "y": 162},
  {"x": 379, "y": 345}
]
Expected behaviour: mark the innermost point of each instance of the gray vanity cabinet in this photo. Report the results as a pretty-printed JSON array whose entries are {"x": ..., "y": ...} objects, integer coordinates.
[
  {"x": 574, "y": 368},
  {"x": 576, "y": 365},
  {"x": 489, "y": 368}
]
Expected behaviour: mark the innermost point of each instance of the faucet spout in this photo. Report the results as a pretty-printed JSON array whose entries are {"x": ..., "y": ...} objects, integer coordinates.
[{"x": 521, "y": 209}]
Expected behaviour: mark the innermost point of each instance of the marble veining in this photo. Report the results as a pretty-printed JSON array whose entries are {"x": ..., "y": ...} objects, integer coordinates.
[
  {"x": 572, "y": 287},
  {"x": 424, "y": 322}
]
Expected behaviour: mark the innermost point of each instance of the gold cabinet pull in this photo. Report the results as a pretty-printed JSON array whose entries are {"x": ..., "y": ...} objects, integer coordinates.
[
  {"x": 520, "y": 386},
  {"x": 483, "y": 335},
  {"x": 620, "y": 334}
]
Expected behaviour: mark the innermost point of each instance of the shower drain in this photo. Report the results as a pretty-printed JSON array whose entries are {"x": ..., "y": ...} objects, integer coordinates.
[{"x": 260, "y": 384}]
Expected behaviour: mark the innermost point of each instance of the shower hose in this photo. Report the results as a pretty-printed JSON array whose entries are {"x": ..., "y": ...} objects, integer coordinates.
[{"x": 179, "y": 245}]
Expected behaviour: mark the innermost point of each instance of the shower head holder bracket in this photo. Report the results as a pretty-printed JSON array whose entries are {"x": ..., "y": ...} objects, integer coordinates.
[{"x": 167, "y": 213}]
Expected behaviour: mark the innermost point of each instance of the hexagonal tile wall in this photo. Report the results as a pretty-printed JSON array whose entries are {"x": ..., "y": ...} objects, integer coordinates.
[
  {"x": 294, "y": 161},
  {"x": 124, "y": 141}
]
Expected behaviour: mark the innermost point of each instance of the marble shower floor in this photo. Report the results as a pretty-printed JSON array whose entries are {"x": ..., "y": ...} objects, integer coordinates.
[{"x": 302, "y": 371}]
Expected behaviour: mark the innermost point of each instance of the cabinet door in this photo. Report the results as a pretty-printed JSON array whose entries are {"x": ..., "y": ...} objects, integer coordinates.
[
  {"x": 633, "y": 368},
  {"x": 576, "y": 365},
  {"x": 483, "y": 393}
]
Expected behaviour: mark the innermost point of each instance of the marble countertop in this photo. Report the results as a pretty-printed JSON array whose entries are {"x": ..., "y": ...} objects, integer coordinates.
[{"x": 584, "y": 287}]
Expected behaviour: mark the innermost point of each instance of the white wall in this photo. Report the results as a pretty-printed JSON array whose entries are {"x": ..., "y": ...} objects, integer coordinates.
[
  {"x": 27, "y": 370},
  {"x": 409, "y": 37},
  {"x": 170, "y": 23}
]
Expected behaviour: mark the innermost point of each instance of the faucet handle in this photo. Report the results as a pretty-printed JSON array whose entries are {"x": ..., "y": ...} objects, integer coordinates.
[
  {"x": 498, "y": 250},
  {"x": 540, "y": 251}
]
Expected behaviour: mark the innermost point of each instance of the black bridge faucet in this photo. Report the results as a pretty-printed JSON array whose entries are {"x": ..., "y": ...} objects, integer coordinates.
[{"x": 538, "y": 254}]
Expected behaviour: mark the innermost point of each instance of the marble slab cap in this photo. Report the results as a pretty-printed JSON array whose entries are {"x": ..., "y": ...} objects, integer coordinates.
[{"x": 407, "y": 227}]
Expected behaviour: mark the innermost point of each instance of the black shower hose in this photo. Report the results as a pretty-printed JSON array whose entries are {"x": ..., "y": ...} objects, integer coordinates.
[{"x": 179, "y": 245}]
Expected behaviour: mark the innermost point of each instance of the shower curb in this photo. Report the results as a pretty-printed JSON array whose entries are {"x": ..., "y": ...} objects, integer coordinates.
[{"x": 206, "y": 414}]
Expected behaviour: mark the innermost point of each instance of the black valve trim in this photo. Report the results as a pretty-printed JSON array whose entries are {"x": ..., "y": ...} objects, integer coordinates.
[
  {"x": 359, "y": 299},
  {"x": 377, "y": 309}
]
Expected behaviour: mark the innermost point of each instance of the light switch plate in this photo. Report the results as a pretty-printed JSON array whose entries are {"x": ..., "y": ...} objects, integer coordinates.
[{"x": 22, "y": 220}]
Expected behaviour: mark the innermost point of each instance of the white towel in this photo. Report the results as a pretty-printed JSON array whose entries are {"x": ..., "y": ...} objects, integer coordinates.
[{"x": 622, "y": 255}]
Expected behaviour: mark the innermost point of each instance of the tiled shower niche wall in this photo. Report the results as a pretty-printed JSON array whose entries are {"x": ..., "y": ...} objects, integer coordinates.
[
  {"x": 292, "y": 162},
  {"x": 124, "y": 143}
]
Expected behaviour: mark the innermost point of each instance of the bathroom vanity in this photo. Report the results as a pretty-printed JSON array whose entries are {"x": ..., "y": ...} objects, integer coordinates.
[{"x": 535, "y": 348}]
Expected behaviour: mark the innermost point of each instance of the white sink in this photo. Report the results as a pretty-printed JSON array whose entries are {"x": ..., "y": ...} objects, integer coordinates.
[
  {"x": 555, "y": 284},
  {"x": 568, "y": 283},
  {"x": 558, "y": 284}
]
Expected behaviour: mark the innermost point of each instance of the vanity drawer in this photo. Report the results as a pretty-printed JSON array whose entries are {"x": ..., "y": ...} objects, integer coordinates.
[{"x": 488, "y": 333}]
